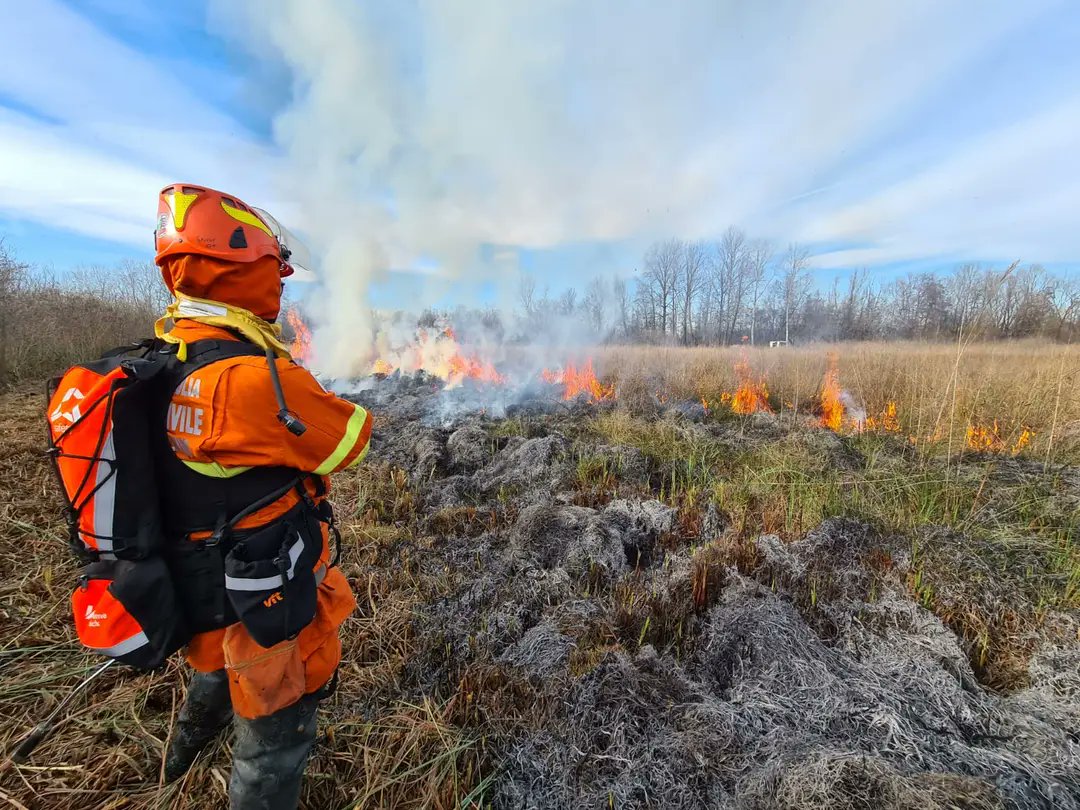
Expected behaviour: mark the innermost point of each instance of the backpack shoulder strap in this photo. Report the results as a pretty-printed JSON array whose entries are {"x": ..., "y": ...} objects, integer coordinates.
[
  {"x": 211, "y": 350},
  {"x": 204, "y": 352}
]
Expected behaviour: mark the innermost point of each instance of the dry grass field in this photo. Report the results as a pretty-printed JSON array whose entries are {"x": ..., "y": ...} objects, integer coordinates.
[
  {"x": 939, "y": 390},
  {"x": 505, "y": 654}
]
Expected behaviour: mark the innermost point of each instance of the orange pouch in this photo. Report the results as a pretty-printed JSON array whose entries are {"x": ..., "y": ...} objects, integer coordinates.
[{"x": 127, "y": 609}]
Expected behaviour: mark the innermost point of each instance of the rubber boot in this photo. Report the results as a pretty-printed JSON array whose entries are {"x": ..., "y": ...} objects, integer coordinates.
[
  {"x": 269, "y": 757},
  {"x": 206, "y": 711}
]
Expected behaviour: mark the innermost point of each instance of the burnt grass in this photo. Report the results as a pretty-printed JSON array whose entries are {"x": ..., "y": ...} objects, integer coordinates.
[{"x": 623, "y": 605}]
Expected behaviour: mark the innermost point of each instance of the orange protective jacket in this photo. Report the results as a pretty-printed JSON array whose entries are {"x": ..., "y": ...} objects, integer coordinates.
[{"x": 223, "y": 420}]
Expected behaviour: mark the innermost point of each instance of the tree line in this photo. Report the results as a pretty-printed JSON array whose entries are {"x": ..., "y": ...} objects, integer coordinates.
[
  {"x": 734, "y": 290},
  {"x": 743, "y": 290},
  {"x": 48, "y": 323}
]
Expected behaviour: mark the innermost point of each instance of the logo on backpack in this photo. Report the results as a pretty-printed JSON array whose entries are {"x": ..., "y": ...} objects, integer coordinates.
[
  {"x": 273, "y": 599},
  {"x": 93, "y": 618},
  {"x": 61, "y": 419}
]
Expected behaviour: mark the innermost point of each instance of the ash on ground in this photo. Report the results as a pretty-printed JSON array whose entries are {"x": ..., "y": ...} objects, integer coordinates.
[{"x": 607, "y": 660}]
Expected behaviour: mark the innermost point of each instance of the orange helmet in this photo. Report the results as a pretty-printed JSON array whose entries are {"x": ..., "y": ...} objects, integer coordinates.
[{"x": 196, "y": 219}]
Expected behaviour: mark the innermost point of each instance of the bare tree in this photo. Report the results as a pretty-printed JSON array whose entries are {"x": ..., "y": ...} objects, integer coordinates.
[
  {"x": 663, "y": 265},
  {"x": 12, "y": 279},
  {"x": 595, "y": 304},
  {"x": 728, "y": 279},
  {"x": 1063, "y": 297},
  {"x": 759, "y": 254},
  {"x": 622, "y": 301},
  {"x": 692, "y": 279},
  {"x": 567, "y": 302},
  {"x": 527, "y": 294},
  {"x": 997, "y": 296},
  {"x": 795, "y": 283},
  {"x": 738, "y": 284},
  {"x": 745, "y": 285},
  {"x": 965, "y": 290},
  {"x": 140, "y": 283},
  {"x": 645, "y": 309},
  {"x": 1032, "y": 304},
  {"x": 849, "y": 310}
]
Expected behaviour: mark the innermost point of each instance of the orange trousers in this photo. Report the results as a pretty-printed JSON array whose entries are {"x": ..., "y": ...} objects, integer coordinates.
[{"x": 263, "y": 680}]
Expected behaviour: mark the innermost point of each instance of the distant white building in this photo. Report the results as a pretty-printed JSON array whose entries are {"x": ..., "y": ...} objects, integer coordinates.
[{"x": 774, "y": 343}]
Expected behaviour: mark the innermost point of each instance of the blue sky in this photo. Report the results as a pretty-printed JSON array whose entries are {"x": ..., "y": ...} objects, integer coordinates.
[{"x": 434, "y": 150}]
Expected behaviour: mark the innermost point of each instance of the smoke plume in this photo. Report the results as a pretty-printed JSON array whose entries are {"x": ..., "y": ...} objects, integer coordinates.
[{"x": 427, "y": 137}]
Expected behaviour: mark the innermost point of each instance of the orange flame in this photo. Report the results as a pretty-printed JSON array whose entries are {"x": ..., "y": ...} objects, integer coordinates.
[
  {"x": 988, "y": 439},
  {"x": 752, "y": 395},
  {"x": 1026, "y": 435},
  {"x": 473, "y": 368},
  {"x": 300, "y": 348},
  {"x": 832, "y": 409},
  {"x": 577, "y": 381},
  {"x": 886, "y": 422},
  {"x": 889, "y": 422},
  {"x": 440, "y": 356},
  {"x": 985, "y": 438}
]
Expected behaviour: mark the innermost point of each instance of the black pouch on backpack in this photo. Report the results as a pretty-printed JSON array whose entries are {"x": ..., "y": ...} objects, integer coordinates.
[
  {"x": 127, "y": 609},
  {"x": 270, "y": 576}
]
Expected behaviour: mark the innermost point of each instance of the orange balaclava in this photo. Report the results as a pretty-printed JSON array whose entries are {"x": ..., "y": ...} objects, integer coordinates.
[{"x": 254, "y": 286}]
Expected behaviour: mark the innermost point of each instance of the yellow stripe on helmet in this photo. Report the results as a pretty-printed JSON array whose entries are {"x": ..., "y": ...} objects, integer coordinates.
[
  {"x": 246, "y": 217},
  {"x": 180, "y": 203}
]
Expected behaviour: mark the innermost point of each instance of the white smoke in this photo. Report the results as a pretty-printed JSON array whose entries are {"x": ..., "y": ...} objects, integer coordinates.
[
  {"x": 853, "y": 411},
  {"x": 417, "y": 133},
  {"x": 434, "y": 130}
]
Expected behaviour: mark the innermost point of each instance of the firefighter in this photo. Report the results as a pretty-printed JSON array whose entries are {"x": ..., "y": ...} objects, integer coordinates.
[{"x": 225, "y": 452}]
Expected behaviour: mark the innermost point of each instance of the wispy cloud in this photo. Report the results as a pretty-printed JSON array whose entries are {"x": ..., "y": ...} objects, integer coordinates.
[
  {"x": 542, "y": 124},
  {"x": 1010, "y": 193},
  {"x": 49, "y": 177},
  {"x": 101, "y": 127}
]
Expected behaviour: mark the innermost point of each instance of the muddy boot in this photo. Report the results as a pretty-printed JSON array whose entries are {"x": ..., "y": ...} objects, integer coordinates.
[
  {"x": 269, "y": 757},
  {"x": 204, "y": 714}
]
